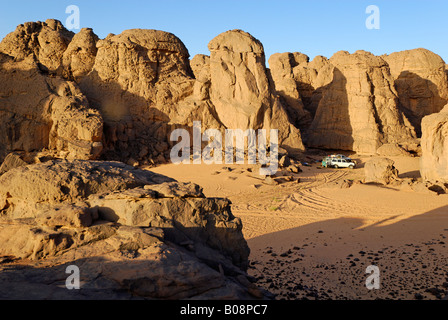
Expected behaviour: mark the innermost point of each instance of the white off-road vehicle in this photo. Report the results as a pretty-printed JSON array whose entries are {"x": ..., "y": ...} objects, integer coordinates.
[
  {"x": 338, "y": 162},
  {"x": 341, "y": 163}
]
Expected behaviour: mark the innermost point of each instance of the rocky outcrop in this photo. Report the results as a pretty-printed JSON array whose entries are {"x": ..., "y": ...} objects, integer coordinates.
[
  {"x": 380, "y": 170},
  {"x": 141, "y": 86},
  {"x": 421, "y": 82},
  {"x": 241, "y": 92},
  {"x": 350, "y": 98},
  {"x": 300, "y": 82},
  {"x": 297, "y": 82},
  {"x": 137, "y": 81},
  {"x": 46, "y": 41},
  {"x": 40, "y": 112},
  {"x": 434, "y": 160},
  {"x": 144, "y": 87},
  {"x": 358, "y": 109},
  {"x": 132, "y": 233},
  {"x": 122, "y": 96},
  {"x": 79, "y": 57}
]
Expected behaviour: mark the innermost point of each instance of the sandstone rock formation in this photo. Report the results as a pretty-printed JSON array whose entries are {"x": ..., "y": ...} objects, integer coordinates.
[
  {"x": 37, "y": 112},
  {"x": 298, "y": 82},
  {"x": 137, "y": 82},
  {"x": 421, "y": 82},
  {"x": 200, "y": 65},
  {"x": 122, "y": 96},
  {"x": 380, "y": 170},
  {"x": 281, "y": 65},
  {"x": 434, "y": 160},
  {"x": 358, "y": 109},
  {"x": 46, "y": 41},
  {"x": 239, "y": 83},
  {"x": 144, "y": 87},
  {"x": 297, "y": 78},
  {"x": 131, "y": 232},
  {"x": 350, "y": 97},
  {"x": 241, "y": 92},
  {"x": 133, "y": 89},
  {"x": 79, "y": 57}
]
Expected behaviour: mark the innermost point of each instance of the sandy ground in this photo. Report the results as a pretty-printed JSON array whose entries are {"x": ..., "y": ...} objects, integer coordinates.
[{"x": 314, "y": 238}]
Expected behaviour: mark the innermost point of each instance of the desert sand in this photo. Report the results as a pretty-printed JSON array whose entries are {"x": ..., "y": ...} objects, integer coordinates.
[{"x": 315, "y": 237}]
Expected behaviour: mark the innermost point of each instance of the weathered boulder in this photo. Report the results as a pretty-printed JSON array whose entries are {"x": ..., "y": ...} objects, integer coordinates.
[
  {"x": 434, "y": 142},
  {"x": 421, "y": 82},
  {"x": 358, "y": 109},
  {"x": 380, "y": 170},
  {"x": 427, "y": 187},
  {"x": 239, "y": 82},
  {"x": 90, "y": 215}
]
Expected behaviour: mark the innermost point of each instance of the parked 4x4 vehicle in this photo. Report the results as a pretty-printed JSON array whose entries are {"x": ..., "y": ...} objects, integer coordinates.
[{"x": 338, "y": 162}]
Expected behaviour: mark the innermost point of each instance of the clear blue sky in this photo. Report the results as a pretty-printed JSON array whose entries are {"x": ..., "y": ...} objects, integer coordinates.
[{"x": 312, "y": 27}]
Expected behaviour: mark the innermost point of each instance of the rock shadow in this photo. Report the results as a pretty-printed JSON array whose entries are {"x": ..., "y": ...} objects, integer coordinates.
[
  {"x": 410, "y": 253},
  {"x": 331, "y": 127},
  {"x": 418, "y": 97}
]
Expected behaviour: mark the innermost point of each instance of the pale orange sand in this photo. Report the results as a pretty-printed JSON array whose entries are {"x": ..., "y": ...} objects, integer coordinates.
[{"x": 326, "y": 224}]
